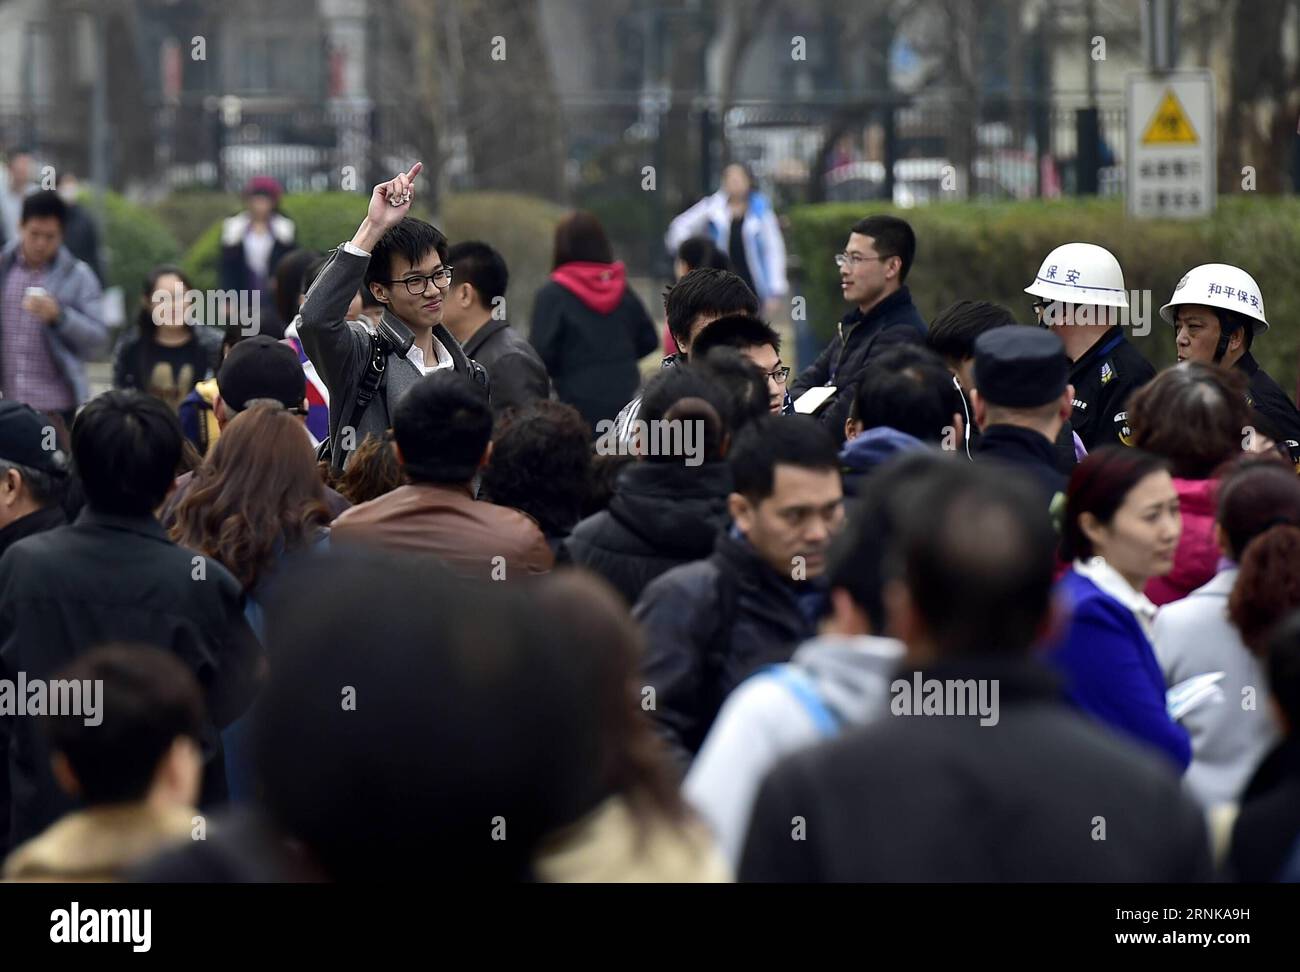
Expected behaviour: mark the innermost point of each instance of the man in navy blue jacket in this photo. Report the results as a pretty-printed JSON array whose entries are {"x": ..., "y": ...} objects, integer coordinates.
[{"x": 873, "y": 269}]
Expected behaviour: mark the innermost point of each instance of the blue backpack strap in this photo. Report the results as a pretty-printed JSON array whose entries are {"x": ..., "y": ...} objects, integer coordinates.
[{"x": 797, "y": 682}]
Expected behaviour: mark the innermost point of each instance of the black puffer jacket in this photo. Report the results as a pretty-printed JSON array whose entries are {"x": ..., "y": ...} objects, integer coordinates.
[
  {"x": 711, "y": 624},
  {"x": 662, "y": 515}
]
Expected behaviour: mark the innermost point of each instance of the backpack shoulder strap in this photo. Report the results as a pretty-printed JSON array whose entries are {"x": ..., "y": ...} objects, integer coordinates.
[
  {"x": 797, "y": 683},
  {"x": 376, "y": 365}
]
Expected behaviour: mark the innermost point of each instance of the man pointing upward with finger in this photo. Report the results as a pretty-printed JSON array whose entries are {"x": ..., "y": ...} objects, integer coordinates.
[{"x": 401, "y": 260}]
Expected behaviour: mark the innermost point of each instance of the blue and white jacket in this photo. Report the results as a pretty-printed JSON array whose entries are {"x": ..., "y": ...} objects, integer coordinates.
[{"x": 764, "y": 246}]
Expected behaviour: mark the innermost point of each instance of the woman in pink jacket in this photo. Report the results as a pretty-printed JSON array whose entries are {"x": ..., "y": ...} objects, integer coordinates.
[{"x": 1196, "y": 417}]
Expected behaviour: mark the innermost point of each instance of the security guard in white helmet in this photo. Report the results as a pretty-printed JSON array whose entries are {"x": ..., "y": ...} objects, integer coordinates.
[
  {"x": 1217, "y": 312},
  {"x": 1081, "y": 296}
]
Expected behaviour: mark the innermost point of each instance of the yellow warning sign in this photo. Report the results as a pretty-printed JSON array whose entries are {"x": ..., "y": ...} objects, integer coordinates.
[{"x": 1169, "y": 125}]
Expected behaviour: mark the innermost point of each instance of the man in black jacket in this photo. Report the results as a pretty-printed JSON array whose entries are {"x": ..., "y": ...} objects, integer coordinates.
[
  {"x": 873, "y": 269},
  {"x": 33, "y": 474},
  {"x": 980, "y": 771},
  {"x": 115, "y": 577},
  {"x": 667, "y": 509},
  {"x": 711, "y": 624},
  {"x": 1022, "y": 397},
  {"x": 474, "y": 312}
]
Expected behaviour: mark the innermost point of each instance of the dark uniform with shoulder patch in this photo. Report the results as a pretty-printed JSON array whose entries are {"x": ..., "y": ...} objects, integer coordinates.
[{"x": 1104, "y": 378}]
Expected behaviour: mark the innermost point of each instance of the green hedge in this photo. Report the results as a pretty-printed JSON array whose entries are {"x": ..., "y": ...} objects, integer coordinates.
[
  {"x": 189, "y": 212},
  {"x": 135, "y": 241},
  {"x": 520, "y": 227},
  {"x": 992, "y": 250}
]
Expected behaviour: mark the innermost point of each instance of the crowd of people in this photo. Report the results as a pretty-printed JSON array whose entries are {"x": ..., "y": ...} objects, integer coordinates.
[{"x": 393, "y": 588}]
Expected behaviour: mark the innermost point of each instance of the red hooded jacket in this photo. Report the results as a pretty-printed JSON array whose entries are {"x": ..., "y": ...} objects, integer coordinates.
[{"x": 598, "y": 285}]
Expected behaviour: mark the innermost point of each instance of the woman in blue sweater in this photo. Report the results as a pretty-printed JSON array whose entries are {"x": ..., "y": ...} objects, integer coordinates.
[{"x": 1122, "y": 525}]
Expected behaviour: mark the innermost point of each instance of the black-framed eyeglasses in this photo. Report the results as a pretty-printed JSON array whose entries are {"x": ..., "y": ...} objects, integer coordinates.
[
  {"x": 854, "y": 259},
  {"x": 419, "y": 283},
  {"x": 780, "y": 375}
]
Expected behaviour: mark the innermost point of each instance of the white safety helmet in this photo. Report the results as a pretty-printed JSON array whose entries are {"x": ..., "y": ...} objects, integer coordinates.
[
  {"x": 1081, "y": 273},
  {"x": 1222, "y": 286}
]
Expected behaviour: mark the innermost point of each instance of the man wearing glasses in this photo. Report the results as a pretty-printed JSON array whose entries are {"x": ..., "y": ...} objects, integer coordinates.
[
  {"x": 401, "y": 261},
  {"x": 757, "y": 341},
  {"x": 873, "y": 268}
]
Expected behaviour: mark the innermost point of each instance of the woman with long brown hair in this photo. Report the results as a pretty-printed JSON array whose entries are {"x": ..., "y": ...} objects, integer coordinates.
[
  {"x": 256, "y": 499},
  {"x": 257, "y": 496}
]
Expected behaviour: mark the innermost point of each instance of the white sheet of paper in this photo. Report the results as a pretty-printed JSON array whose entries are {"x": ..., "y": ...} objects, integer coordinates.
[{"x": 813, "y": 399}]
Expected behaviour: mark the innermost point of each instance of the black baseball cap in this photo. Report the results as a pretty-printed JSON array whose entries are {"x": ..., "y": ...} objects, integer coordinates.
[
  {"x": 261, "y": 367},
  {"x": 27, "y": 439},
  {"x": 1020, "y": 367}
]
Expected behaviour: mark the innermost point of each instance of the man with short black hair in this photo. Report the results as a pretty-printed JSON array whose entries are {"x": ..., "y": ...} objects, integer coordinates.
[
  {"x": 712, "y": 623},
  {"x": 403, "y": 263},
  {"x": 135, "y": 768},
  {"x": 873, "y": 274},
  {"x": 51, "y": 322},
  {"x": 980, "y": 771},
  {"x": 113, "y": 575},
  {"x": 698, "y": 299},
  {"x": 475, "y": 315},
  {"x": 442, "y": 433},
  {"x": 33, "y": 474},
  {"x": 757, "y": 341},
  {"x": 905, "y": 402}
]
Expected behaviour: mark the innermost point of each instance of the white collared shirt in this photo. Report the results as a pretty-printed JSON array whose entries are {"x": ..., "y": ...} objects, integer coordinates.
[{"x": 1112, "y": 582}]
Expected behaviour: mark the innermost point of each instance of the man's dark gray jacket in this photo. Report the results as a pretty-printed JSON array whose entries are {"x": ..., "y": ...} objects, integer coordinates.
[{"x": 340, "y": 349}]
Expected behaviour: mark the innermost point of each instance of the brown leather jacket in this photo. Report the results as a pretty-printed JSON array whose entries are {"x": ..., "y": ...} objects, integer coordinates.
[{"x": 446, "y": 521}]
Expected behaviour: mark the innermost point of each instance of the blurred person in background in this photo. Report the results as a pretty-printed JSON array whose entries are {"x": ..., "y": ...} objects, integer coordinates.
[
  {"x": 51, "y": 318},
  {"x": 588, "y": 326},
  {"x": 135, "y": 774},
  {"x": 18, "y": 183},
  {"x": 740, "y": 221},
  {"x": 1195, "y": 416},
  {"x": 1121, "y": 529},
  {"x": 541, "y": 465},
  {"x": 80, "y": 233},
  {"x": 166, "y": 355},
  {"x": 253, "y": 242}
]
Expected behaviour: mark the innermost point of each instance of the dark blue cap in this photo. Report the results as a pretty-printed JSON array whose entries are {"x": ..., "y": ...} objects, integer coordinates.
[
  {"x": 27, "y": 439},
  {"x": 1020, "y": 367}
]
